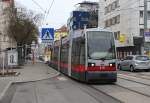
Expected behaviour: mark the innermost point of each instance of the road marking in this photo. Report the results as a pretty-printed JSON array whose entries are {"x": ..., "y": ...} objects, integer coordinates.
[{"x": 62, "y": 78}]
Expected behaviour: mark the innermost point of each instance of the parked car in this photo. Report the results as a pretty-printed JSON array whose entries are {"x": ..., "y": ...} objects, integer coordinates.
[{"x": 134, "y": 62}]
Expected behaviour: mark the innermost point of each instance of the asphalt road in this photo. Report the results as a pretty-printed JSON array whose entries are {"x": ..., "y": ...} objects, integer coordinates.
[
  {"x": 130, "y": 88},
  {"x": 60, "y": 89}
]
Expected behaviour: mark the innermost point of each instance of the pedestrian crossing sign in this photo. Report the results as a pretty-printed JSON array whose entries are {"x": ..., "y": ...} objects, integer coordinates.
[{"x": 47, "y": 35}]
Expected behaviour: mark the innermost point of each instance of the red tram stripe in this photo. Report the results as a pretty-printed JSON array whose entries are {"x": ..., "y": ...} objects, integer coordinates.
[
  {"x": 102, "y": 68},
  {"x": 81, "y": 68}
]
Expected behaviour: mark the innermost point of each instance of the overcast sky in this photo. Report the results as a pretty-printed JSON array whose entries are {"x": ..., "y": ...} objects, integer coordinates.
[{"x": 59, "y": 13}]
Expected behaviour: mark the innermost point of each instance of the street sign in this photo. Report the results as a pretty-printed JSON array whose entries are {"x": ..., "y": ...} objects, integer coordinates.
[
  {"x": 47, "y": 35},
  {"x": 147, "y": 36}
]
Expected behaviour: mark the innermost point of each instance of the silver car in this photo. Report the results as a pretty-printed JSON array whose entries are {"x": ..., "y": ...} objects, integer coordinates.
[{"x": 134, "y": 62}]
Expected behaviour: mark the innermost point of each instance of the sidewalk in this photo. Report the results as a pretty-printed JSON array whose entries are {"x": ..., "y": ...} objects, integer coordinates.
[{"x": 29, "y": 72}]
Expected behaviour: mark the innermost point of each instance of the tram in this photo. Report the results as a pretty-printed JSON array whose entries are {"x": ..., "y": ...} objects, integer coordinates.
[{"x": 86, "y": 55}]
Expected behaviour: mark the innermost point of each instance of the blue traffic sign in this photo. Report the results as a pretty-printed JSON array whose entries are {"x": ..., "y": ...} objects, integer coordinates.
[{"x": 47, "y": 35}]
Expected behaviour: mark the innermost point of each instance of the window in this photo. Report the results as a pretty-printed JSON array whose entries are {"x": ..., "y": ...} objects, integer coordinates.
[
  {"x": 105, "y": 10},
  {"x": 148, "y": 15},
  {"x": 142, "y": 58},
  {"x": 106, "y": 23},
  {"x": 129, "y": 58},
  {"x": 109, "y": 8},
  {"x": 118, "y": 19},
  {"x": 141, "y": 14},
  {"x": 113, "y": 21},
  {"x": 110, "y": 20},
  {"x": 113, "y": 6},
  {"x": 141, "y": 32},
  {"x": 117, "y": 35}
]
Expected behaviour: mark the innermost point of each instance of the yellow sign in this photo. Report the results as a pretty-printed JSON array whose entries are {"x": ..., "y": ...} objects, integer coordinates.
[
  {"x": 122, "y": 38},
  {"x": 59, "y": 34}
]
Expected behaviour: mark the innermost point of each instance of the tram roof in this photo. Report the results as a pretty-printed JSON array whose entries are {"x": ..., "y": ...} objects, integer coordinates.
[{"x": 98, "y": 29}]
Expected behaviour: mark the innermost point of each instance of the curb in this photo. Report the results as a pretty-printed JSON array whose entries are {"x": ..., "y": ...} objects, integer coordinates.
[
  {"x": 5, "y": 90},
  {"x": 26, "y": 81},
  {"x": 3, "y": 94}
]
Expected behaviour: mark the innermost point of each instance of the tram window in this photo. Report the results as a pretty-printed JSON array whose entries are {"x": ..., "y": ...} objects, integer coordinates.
[
  {"x": 76, "y": 46},
  {"x": 82, "y": 55}
]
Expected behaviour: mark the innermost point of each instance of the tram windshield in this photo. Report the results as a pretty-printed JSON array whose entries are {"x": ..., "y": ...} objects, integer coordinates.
[{"x": 100, "y": 45}]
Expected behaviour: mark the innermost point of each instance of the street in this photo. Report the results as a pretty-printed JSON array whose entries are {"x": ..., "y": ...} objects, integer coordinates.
[
  {"x": 131, "y": 87},
  {"x": 97, "y": 51}
]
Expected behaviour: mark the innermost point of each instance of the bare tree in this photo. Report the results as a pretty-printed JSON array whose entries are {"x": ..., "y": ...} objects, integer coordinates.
[{"x": 23, "y": 26}]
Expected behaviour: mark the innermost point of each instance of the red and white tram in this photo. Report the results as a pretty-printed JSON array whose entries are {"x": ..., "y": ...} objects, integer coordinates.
[{"x": 86, "y": 55}]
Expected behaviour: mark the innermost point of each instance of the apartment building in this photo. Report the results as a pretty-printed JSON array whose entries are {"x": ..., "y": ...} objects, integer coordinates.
[
  {"x": 126, "y": 19},
  {"x": 86, "y": 13},
  {"x": 5, "y": 40}
]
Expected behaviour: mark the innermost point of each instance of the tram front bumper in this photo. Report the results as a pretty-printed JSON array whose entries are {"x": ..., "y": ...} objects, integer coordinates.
[{"x": 92, "y": 76}]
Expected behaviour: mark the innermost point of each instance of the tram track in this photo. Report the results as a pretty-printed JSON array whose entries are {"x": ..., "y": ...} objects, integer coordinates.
[
  {"x": 102, "y": 94},
  {"x": 138, "y": 75},
  {"x": 111, "y": 91},
  {"x": 135, "y": 82},
  {"x": 136, "y": 91},
  {"x": 107, "y": 93},
  {"x": 97, "y": 94}
]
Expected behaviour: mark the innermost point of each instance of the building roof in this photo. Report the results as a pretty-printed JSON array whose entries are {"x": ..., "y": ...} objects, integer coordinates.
[{"x": 89, "y": 3}]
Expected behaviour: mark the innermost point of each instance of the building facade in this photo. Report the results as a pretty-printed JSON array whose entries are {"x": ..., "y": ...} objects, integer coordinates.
[
  {"x": 86, "y": 13},
  {"x": 126, "y": 19},
  {"x": 5, "y": 11}
]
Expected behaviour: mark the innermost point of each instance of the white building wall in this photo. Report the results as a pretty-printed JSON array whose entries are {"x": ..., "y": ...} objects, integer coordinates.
[
  {"x": 86, "y": 7},
  {"x": 130, "y": 20},
  {"x": 5, "y": 40}
]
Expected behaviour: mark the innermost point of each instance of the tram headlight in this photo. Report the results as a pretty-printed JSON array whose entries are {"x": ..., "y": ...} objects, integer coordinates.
[
  {"x": 91, "y": 64},
  {"x": 110, "y": 65}
]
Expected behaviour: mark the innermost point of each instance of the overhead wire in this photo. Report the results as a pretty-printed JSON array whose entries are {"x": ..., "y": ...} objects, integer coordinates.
[
  {"x": 38, "y": 5},
  {"x": 48, "y": 11}
]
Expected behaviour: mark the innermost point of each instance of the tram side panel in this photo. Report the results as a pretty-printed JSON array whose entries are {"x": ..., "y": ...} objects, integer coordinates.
[
  {"x": 64, "y": 58},
  {"x": 78, "y": 59},
  {"x": 54, "y": 61}
]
